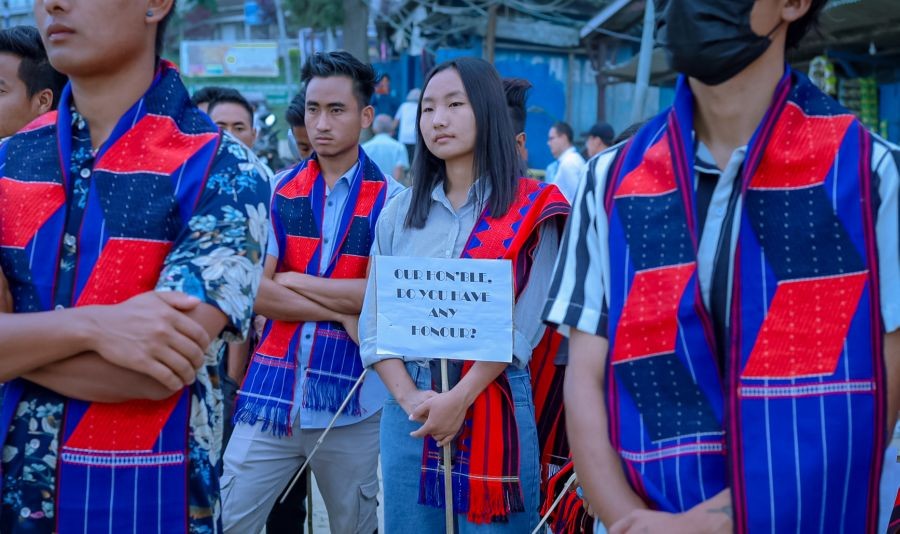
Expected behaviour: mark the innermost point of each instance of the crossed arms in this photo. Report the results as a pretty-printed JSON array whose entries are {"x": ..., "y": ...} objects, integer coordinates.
[
  {"x": 147, "y": 347},
  {"x": 297, "y": 297}
]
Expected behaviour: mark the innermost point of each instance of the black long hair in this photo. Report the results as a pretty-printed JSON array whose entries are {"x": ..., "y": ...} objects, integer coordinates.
[{"x": 496, "y": 160}]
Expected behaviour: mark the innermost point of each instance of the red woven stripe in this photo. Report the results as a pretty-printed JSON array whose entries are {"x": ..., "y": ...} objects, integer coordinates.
[
  {"x": 127, "y": 426},
  {"x": 275, "y": 344},
  {"x": 493, "y": 240},
  {"x": 487, "y": 461},
  {"x": 804, "y": 331},
  {"x": 649, "y": 322},
  {"x": 298, "y": 251},
  {"x": 154, "y": 145},
  {"x": 348, "y": 266},
  {"x": 549, "y": 198},
  {"x": 302, "y": 183},
  {"x": 24, "y": 208},
  {"x": 543, "y": 369},
  {"x": 127, "y": 267},
  {"x": 368, "y": 194},
  {"x": 801, "y": 151},
  {"x": 654, "y": 176}
]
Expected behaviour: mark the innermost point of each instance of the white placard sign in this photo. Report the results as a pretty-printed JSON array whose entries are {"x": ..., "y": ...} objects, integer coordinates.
[{"x": 444, "y": 308}]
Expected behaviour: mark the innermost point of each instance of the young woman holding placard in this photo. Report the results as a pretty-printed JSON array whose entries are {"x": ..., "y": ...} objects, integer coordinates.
[{"x": 468, "y": 200}]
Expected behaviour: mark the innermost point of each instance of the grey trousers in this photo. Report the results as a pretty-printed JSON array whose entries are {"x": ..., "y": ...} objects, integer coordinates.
[{"x": 258, "y": 466}]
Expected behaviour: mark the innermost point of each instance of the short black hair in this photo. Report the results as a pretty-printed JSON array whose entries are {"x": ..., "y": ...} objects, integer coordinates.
[
  {"x": 798, "y": 29},
  {"x": 516, "y": 93},
  {"x": 35, "y": 69},
  {"x": 296, "y": 111},
  {"x": 563, "y": 128},
  {"x": 207, "y": 94},
  {"x": 342, "y": 63},
  {"x": 628, "y": 132},
  {"x": 161, "y": 29},
  {"x": 496, "y": 162},
  {"x": 230, "y": 96}
]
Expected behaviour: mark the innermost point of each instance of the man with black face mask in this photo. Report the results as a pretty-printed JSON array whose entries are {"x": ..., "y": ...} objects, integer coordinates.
[{"x": 730, "y": 281}]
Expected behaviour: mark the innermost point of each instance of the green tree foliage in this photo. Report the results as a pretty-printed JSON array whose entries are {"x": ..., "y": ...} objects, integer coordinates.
[
  {"x": 317, "y": 14},
  {"x": 187, "y": 5}
]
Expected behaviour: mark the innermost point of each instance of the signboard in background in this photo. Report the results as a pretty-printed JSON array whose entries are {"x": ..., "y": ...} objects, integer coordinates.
[
  {"x": 252, "y": 14},
  {"x": 215, "y": 59},
  {"x": 454, "y": 308}
]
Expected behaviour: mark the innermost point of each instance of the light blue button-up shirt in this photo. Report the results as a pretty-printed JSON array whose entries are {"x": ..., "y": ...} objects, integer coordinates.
[{"x": 372, "y": 392}]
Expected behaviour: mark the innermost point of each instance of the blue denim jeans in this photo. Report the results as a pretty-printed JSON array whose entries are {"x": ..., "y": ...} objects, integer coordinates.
[{"x": 401, "y": 462}]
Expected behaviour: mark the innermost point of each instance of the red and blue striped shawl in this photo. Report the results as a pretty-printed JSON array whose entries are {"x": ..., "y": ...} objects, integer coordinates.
[
  {"x": 165, "y": 147},
  {"x": 803, "y": 395},
  {"x": 334, "y": 366}
]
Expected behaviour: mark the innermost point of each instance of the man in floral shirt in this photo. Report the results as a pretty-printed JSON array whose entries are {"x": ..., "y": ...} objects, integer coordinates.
[{"x": 129, "y": 214}]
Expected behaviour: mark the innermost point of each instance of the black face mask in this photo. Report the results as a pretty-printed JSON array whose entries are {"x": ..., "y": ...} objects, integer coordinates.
[{"x": 710, "y": 40}]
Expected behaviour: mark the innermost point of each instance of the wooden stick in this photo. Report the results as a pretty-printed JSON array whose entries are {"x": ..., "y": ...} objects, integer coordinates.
[
  {"x": 322, "y": 437},
  {"x": 544, "y": 519},
  {"x": 309, "y": 505},
  {"x": 448, "y": 468}
]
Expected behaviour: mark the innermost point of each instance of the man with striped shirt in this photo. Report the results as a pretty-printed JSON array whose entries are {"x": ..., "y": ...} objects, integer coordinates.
[{"x": 730, "y": 282}]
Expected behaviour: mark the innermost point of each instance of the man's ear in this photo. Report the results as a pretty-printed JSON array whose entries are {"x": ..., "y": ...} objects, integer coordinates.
[
  {"x": 793, "y": 10},
  {"x": 520, "y": 139},
  {"x": 156, "y": 10},
  {"x": 368, "y": 115},
  {"x": 42, "y": 102}
]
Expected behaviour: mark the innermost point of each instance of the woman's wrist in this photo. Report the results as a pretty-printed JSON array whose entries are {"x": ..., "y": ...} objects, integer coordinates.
[{"x": 466, "y": 392}]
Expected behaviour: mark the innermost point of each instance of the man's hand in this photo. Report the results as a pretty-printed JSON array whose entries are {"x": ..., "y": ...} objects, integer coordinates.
[
  {"x": 444, "y": 414},
  {"x": 412, "y": 400},
  {"x": 6, "y": 302},
  {"x": 713, "y": 516},
  {"x": 650, "y": 522},
  {"x": 351, "y": 325},
  {"x": 151, "y": 334}
]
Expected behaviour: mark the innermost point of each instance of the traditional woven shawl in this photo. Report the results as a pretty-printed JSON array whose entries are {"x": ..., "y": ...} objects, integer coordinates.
[
  {"x": 804, "y": 387},
  {"x": 570, "y": 517},
  {"x": 547, "y": 386},
  {"x": 894, "y": 525},
  {"x": 334, "y": 364},
  {"x": 117, "y": 461},
  {"x": 486, "y": 458}
]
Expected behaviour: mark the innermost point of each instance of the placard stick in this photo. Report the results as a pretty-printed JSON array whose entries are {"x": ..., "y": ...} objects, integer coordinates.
[
  {"x": 322, "y": 437},
  {"x": 448, "y": 468},
  {"x": 562, "y": 494},
  {"x": 309, "y": 505}
]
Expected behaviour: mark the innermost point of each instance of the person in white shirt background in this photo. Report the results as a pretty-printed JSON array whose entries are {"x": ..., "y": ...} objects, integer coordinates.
[
  {"x": 566, "y": 171},
  {"x": 389, "y": 154},
  {"x": 405, "y": 119}
]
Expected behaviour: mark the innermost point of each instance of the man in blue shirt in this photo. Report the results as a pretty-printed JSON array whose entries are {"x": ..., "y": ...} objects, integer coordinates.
[{"x": 297, "y": 378}]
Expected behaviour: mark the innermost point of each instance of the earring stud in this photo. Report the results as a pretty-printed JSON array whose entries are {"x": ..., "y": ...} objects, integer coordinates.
[{"x": 149, "y": 12}]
